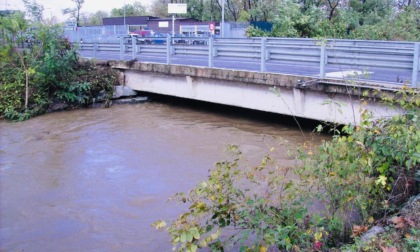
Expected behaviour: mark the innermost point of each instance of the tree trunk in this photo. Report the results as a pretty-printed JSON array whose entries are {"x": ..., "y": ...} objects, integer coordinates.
[{"x": 26, "y": 89}]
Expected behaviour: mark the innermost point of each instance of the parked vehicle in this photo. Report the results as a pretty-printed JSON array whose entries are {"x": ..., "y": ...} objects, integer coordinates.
[
  {"x": 159, "y": 38},
  {"x": 127, "y": 38},
  {"x": 143, "y": 36},
  {"x": 180, "y": 39},
  {"x": 200, "y": 41}
]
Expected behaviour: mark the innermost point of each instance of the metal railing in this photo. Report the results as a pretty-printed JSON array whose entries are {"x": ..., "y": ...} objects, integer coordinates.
[{"x": 348, "y": 54}]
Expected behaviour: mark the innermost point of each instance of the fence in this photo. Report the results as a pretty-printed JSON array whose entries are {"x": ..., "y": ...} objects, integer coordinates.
[
  {"x": 110, "y": 33},
  {"x": 389, "y": 56}
]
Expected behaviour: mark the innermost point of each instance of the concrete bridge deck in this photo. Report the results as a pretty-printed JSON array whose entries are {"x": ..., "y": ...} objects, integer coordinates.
[{"x": 332, "y": 100}]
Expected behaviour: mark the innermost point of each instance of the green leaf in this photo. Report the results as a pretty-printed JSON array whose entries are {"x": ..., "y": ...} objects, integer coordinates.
[
  {"x": 288, "y": 185},
  {"x": 196, "y": 235},
  {"x": 194, "y": 248},
  {"x": 203, "y": 243},
  {"x": 183, "y": 237},
  {"x": 189, "y": 237}
]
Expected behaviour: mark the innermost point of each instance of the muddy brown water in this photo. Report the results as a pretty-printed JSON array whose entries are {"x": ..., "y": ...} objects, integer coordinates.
[{"x": 95, "y": 179}]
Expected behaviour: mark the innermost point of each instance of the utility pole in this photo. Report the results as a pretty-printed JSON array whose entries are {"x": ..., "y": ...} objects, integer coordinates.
[
  {"x": 222, "y": 28},
  {"x": 125, "y": 27}
]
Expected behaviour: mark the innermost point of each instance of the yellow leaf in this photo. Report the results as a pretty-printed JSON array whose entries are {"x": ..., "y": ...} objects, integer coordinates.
[
  {"x": 203, "y": 184},
  {"x": 332, "y": 174},
  {"x": 381, "y": 180},
  {"x": 360, "y": 143},
  {"x": 263, "y": 249},
  {"x": 318, "y": 236},
  {"x": 159, "y": 224},
  {"x": 408, "y": 236},
  {"x": 214, "y": 236},
  {"x": 203, "y": 243}
]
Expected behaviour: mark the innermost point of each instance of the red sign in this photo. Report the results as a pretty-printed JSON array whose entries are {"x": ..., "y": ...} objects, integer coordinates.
[{"x": 211, "y": 26}]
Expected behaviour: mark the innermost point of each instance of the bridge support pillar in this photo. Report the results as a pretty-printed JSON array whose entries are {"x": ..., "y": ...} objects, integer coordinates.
[{"x": 299, "y": 98}]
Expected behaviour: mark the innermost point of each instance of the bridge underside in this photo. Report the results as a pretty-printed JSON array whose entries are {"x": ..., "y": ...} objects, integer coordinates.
[{"x": 283, "y": 94}]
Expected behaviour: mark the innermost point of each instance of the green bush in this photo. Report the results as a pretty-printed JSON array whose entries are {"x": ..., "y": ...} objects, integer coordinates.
[{"x": 35, "y": 76}]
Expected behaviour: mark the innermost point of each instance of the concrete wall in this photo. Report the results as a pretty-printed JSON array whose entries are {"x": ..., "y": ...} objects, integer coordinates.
[{"x": 277, "y": 93}]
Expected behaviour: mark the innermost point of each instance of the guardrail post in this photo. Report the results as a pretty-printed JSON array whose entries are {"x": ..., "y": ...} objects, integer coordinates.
[
  {"x": 168, "y": 50},
  {"x": 95, "y": 50},
  {"x": 211, "y": 52},
  {"x": 263, "y": 52},
  {"x": 121, "y": 48},
  {"x": 134, "y": 47},
  {"x": 414, "y": 77},
  {"x": 322, "y": 62}
]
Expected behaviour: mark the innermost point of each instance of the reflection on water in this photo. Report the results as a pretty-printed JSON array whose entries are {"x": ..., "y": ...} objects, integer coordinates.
[{"x": 94, "y": 180}]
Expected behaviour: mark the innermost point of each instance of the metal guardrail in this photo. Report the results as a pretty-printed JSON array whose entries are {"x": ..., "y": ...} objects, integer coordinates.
[{"x": 290, "y": 51}]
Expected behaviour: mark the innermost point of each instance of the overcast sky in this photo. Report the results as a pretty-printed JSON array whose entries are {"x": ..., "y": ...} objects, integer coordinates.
[{"x": 54, "y": 7}]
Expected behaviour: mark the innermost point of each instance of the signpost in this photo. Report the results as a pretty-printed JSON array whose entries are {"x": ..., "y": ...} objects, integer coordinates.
[
  {"x": 211, "y": 27},
  {"x": 176, "y": 9}
]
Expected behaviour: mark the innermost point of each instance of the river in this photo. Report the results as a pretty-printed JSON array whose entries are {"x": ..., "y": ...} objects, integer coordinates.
[{"x": 95, "y": 179}]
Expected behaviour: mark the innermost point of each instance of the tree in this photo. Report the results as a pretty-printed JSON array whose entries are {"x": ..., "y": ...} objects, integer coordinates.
[
  {"x": 159, "y": 8},
  {"x": 261, "y": 10},
  {"x": 371, "y": 11},
  {"x": 15, "y": 26},
  {"x": 95, "y": 18},
  {"x": 402, "y": 4},
  {"x": 34, "y": 10},
  {"x": 196, "y": 9},
  {"x": 234, "y": 9},
  {"x": 135, "y": 9},
  {"x": 294, "y": 21},
  {"x": 74, "y": 12}
]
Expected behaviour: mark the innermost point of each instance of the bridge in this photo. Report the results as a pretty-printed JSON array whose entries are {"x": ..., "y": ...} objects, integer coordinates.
[{"x": 294, "y": 77}]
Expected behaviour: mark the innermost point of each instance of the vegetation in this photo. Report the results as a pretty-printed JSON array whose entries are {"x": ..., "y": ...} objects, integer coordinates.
[
  {"x": 336, "y": 192},
  {"x": 350, "y": 19},
  {"x": 39, "y": 68},
  {"x": 377, "y": 20},
  {"x": 75, "y": 12}
]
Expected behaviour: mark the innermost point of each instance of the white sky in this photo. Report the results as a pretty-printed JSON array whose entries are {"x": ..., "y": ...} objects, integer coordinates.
[{"x": 54, "y": 7}]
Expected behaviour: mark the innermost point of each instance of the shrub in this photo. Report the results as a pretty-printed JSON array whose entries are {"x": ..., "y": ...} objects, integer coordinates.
[{"x": 48, "y": 70}]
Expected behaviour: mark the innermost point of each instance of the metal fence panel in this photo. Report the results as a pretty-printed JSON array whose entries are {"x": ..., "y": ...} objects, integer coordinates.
[{"x": 356, "y": 54}]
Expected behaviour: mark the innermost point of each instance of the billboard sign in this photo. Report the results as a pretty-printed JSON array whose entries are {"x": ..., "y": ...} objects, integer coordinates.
[{"x": 177, "y": 8}]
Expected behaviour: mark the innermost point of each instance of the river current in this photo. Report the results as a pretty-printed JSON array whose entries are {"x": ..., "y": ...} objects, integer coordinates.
[{"x": 95, "y": 179}]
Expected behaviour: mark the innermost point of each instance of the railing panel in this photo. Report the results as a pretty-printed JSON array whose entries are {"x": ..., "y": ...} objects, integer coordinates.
[{"x": 357, "y": 54}]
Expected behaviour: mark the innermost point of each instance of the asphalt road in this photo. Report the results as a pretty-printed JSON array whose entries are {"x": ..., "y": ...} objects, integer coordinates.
[{"x": 388, "y": 76}]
